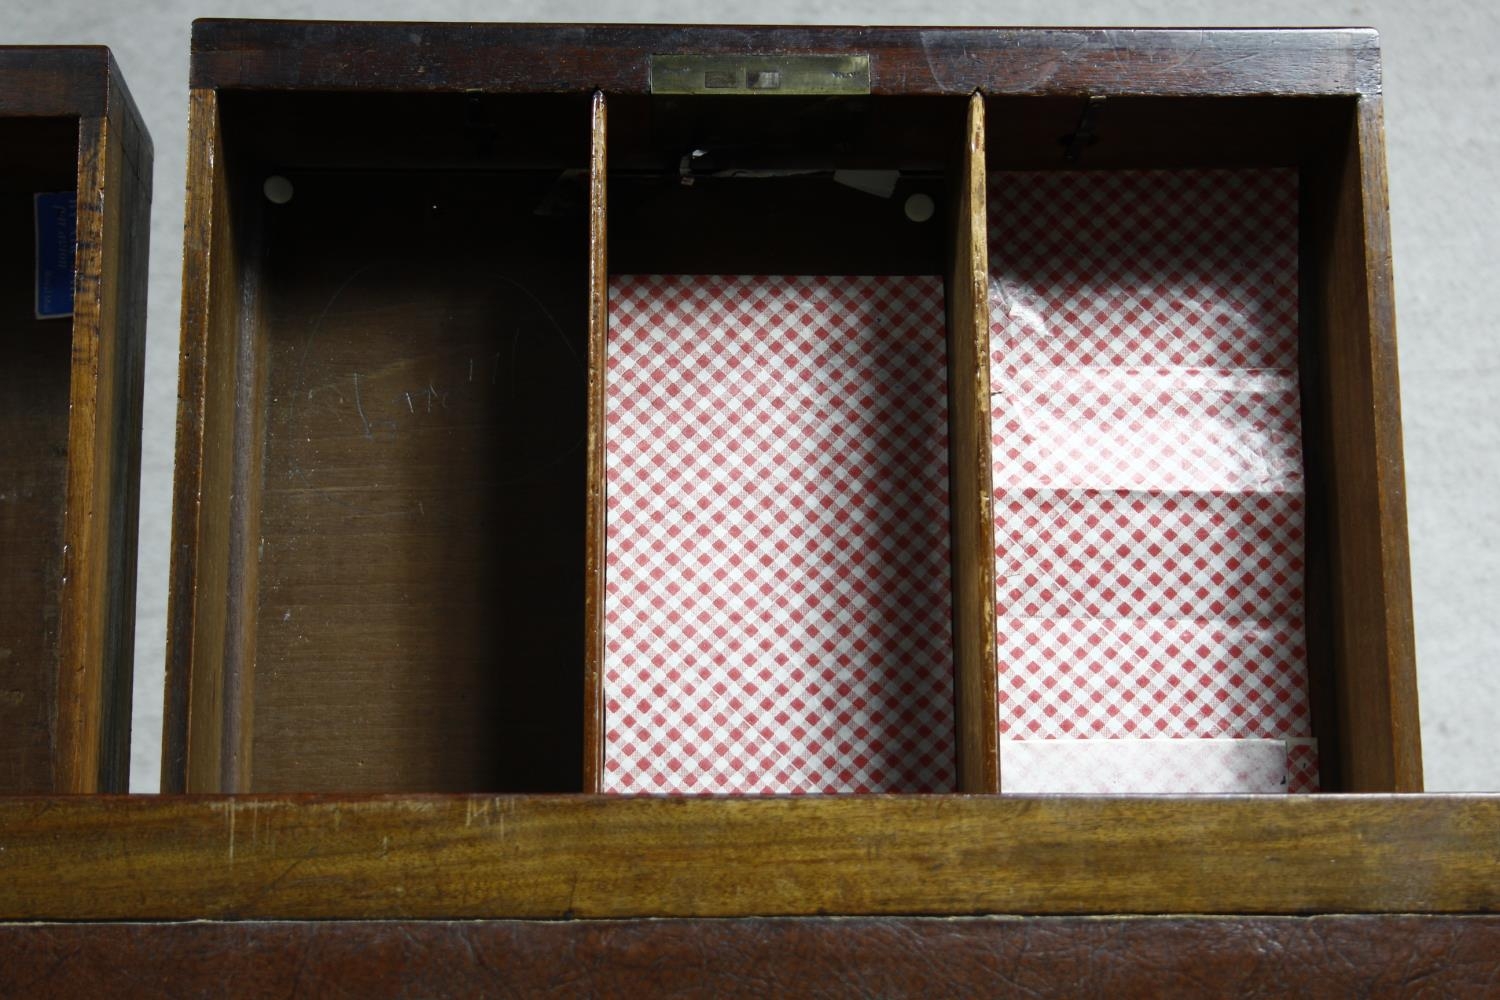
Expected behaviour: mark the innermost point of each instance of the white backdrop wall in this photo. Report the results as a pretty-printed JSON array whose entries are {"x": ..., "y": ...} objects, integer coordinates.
[{"x": 1443, "y": 139}]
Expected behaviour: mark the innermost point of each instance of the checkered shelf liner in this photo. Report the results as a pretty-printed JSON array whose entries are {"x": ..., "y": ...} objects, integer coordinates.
[
  {"x": 1144, "y": 767},
  {"x": 1148, "y": 463},
  {"x": 778, "y": 616}
]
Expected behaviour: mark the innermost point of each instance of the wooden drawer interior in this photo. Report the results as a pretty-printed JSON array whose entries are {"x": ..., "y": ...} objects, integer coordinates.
[
  {"x": 75, "y": 196},
  {"x": 756, "y": 295},
  {"x": 1238, "y": 150},
  {"x": 405, "y": 400},
  {"x": 35, "y": 371},
  {"x": 404, "y": 555}
]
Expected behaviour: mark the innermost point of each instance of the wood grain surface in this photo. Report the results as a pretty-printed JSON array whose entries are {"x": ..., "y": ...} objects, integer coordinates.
[
  {"x": 1266, "y": 957},
  {"x": 615, "y": 59},
  {"x": 1355, "y": 430},
  {"x": 595, "y": 557},
  {"x": 418, "y": 615},
  {"x": 55, "y": 81},
  {"x": 970, "y": 469},
  {"x": 104, "y": 448},
  {"x": 199, "y": 595},
  {"x": 144, "y": 858}
]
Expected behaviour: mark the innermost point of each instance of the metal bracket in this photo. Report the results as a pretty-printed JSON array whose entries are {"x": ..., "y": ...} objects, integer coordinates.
[{"x": 800, "y": 75}]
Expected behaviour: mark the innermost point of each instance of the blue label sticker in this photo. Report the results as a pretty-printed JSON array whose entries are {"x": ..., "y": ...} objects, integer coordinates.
[{"x": 56, "y": 243}]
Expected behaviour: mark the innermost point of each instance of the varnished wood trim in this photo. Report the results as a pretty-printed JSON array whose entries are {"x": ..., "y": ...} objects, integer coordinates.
[
  {"x": 192, "y": 672},
  {"x": 54, "y": 81},
  {"x": 125, "y": 288},
  {"x": 97, "y": 627},
  {"x": 970, "y": 467},
  {"x": 86, "y": 531},
  {"x": 920, "y": 957},
  {"x": 149, "y": 857},
  {"x": 953, "y": 61},
  {"x": 1403, "y": 738},
  {"x": 89, "y": 737},
  {"x": 211, "y": 611},
  {"x": 594, "y": 540},
  {"x": 1379, "y": 742}
]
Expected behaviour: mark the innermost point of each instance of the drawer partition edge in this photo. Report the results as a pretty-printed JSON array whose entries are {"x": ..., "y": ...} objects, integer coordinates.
[
  {"x": 134, "y": 148},
  {"x": 205, "y": 720},
  {"x": 86, "y": 537},
  {"x": 1372, "y": 642},
  {"x": 594, "y": 513},
  {"x": 104, "y": 444},
  {"x": 970, "y": 472},
  {"x": 1404, "y": 738}
]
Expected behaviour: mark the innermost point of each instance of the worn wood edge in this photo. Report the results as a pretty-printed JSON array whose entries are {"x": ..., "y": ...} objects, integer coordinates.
[
  {"x": 973, "y": 560},
  {"x": 187, "y": 487},
  {"x": 80, "y": 682},
  {"x": 595, "y": 554},
  {"x": 1362, "y": 708},
  {"x": 138, "y": 147},
  {"x": 1395, "y": 582},
  {"x": 54, "y": 81},
  {"x": 955, "y": 61},
  {"x": 134, "y": 154},
  {"x": 1224, "y": 920},
  {"x": 1369, "y": 575},
  {"x": 560, "y": 857},
  {"x": 212, "y": 595},
  {"x": 1178, "y": 956},
  {"x": 96, "y": 635},
  {"x": 91, "y": 720}
]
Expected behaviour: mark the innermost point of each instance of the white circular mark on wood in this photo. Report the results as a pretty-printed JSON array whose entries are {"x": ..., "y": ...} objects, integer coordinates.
[{"x": 278, "y": 189}]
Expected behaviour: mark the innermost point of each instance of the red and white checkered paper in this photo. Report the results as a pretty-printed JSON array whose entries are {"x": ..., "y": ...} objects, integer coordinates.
[
  {"x": 1148, "y": 463},
  {"x": 778, "y": 616}
]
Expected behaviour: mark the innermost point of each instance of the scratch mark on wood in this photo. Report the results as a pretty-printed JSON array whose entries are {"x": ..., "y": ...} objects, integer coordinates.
[
  {"x": 360, "y": 407},
  {"x": 473, "y": 810}
]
